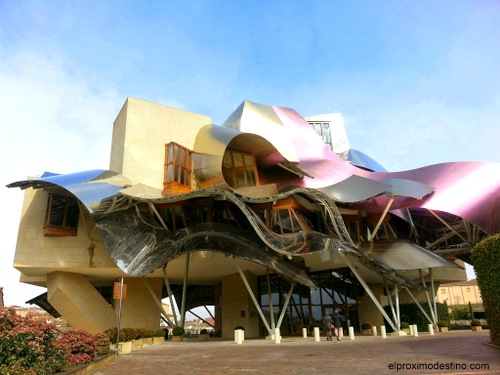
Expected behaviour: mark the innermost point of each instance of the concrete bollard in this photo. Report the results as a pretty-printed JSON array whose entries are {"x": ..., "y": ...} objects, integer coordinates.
[
  {"x": 316, "y": 334},
  {"x": 304, "y": 333},
  {"x": 277, "y": 336},
  {"x": 374, "y": 330},
  {"x": 351, "y": 333},
  {"x": 411, "y": 329},
  {"x": 415, "y": 330},
  {"x": 383, "y": 332},
  {"x": 431, "y": 329}
]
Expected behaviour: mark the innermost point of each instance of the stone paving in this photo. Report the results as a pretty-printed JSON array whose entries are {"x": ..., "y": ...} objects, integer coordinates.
[{"x": 456, "y": 352}]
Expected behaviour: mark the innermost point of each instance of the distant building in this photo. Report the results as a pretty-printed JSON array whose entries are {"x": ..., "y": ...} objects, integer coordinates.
[{"x": 459, "y": 293}]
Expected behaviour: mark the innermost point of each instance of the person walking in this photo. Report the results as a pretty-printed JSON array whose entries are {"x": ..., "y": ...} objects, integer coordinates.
[
  {"x": 327, "y": 326},
  {"x": 337, "y": 322}
]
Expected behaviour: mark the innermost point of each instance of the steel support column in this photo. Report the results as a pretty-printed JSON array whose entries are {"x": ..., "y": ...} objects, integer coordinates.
[
  {"x": 158, "y": 303},
  {"x": 170, "y": 296},
  {"x": 256, "y": 303},
  {"x": 382, "y": 217},
  {"x": 368, "y": 290},
  {"x": 285, "y": 305},
  {"x": 429, "y": 303},
  {"x": 184, "y": 291},
  {"x": 419, "y": 305}
]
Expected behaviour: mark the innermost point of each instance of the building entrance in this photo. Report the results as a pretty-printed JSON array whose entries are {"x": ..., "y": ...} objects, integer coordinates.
[{"x": 337, "y": 289}]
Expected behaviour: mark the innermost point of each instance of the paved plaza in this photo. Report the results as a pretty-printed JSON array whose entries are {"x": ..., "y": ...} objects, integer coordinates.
[{"x": 456, "y": 352}]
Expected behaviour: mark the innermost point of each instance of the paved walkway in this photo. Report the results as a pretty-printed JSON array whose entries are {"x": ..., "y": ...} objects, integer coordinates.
[{"x": 457, "y": 352}]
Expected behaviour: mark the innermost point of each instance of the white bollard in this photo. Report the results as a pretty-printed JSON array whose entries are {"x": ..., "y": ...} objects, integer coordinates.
[
  {"x": 415, "y": 330},
  {"x": 374, "y": 330},
  {"x": 383, "y": 332},
  {"x": 411, "y": 329},
  {"x": 316, "y": 334},
  {"x": 238, "y": 336},
  {"x": 351, "y": 333},
  {"x": 304, "y": 333},
  {"x": 431, "y": 329},
  {"x": 277, "y": 336}
]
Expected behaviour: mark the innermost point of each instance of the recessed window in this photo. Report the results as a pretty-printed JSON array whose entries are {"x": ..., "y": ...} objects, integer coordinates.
[
  {"x": 323, "y": 130},
  {"x": 178, "y": 167},
  {"x": 240, "y": 169},
  {"x": 61, "y": 217}
]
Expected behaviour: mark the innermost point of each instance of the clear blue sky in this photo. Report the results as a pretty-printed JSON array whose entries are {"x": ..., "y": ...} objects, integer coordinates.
[{"x": 417, "y": 82}]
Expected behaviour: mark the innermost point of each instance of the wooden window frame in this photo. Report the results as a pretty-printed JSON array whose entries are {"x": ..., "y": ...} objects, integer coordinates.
[
  {"x": 51, "y": 229},
  {"x": 178, "y": 168},
  {"x": 232, "y": 171}
]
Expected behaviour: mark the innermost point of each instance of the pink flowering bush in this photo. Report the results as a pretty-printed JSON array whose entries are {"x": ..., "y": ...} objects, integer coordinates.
[
  {"x": 80, "y": 346},
  {"x": 28, "y": 347}
]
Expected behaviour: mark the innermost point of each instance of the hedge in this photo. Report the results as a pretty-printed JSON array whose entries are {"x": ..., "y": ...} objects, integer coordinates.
[{"x": 485, "y": 258}]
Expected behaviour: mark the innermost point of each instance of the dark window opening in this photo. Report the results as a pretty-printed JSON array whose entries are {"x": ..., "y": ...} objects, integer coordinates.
[{"x": 61, "y": 217}]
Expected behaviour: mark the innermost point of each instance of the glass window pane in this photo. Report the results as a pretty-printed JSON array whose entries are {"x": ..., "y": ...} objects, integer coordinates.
[
  {"x": 227, "y": 162},
  {"x": 240, "y": 177},
  {"x": 169, "y": 173},
  {"x": 238, "y": 159},
  {"x": 57, "y": 211},
  {"x": 72, "y": 213},
  {"x": 249, "y": 160},
  {"x": 251, "y": 176},
  {"x": 170, "y": 157},
  {"x": 317, "y": 127}
]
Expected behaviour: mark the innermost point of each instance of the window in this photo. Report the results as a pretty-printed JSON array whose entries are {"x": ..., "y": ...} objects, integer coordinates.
[
  {"x": 239, "y": 169},
  {"x": 177, "y": 166},
  {"x": 61, "y": 217},
  {"x": 323, "y": 130}
]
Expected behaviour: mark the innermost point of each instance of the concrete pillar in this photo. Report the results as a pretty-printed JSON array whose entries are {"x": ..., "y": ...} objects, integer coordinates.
[
  {"x": 277, "y": 336},
  {"x": 374, "y": 330},
  {"x": 79, "y": 303},
  {"x": 304, "y": 333}
]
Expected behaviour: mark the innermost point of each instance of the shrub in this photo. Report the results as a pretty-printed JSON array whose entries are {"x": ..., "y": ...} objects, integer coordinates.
[
  {"x": 405, "y": 325},
  {"x": 443, "y": 323},
  {"x": 204, "y": 331},
  {"x": 80, "y": 346},
  {"x": 28, "y": 346},
  {"x": 159, "y": 333},
  {"x": 102, "y": 344},
  {"x": 178, "y": 331},
  {"x": 475, "y": 323},
  {"x": 365, "y": 326},
  {"x": 413, "y": 314},
  {"x": 111, "y": 333},
  {"x": 485, "y": 257}
]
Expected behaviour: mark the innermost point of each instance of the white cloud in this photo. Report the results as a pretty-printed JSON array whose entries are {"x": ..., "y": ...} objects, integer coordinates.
[{"x": 50, "y": 120}]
